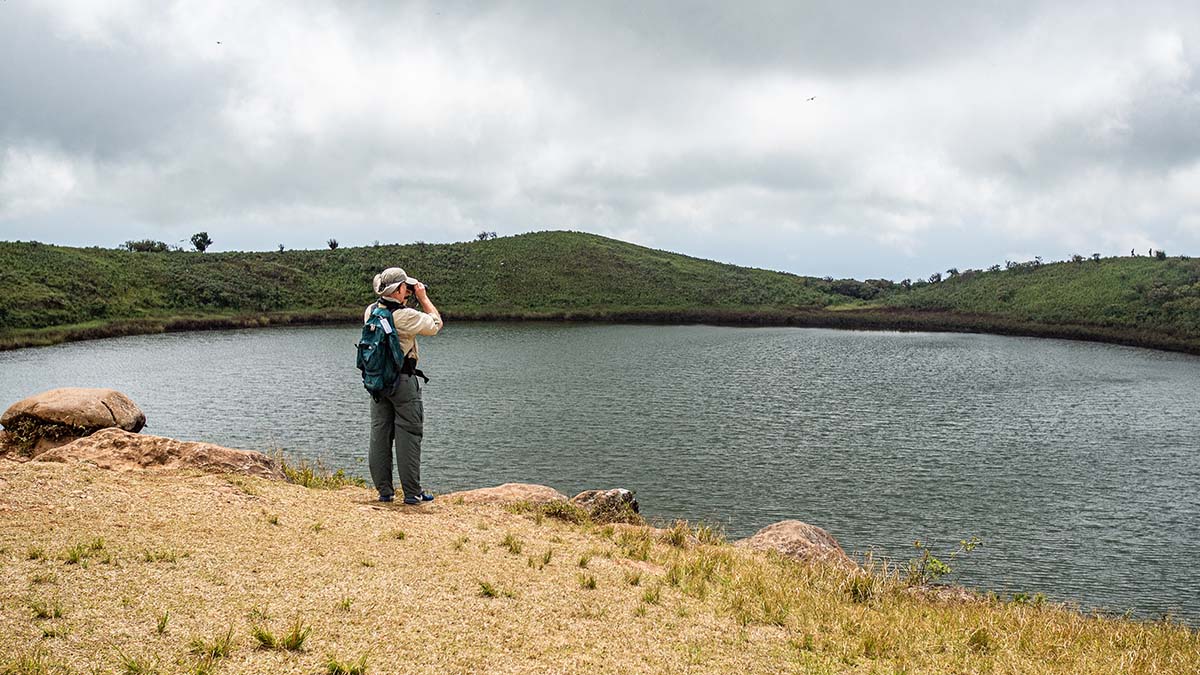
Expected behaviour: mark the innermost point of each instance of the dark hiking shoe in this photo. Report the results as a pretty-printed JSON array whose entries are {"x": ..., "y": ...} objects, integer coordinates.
[
  {"x": 421, "y": 496},
  {"x": 386, "y": 499}
]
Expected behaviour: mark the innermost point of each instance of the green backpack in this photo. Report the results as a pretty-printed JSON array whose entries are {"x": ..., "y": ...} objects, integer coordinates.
[{"x": 379, "y": 356}]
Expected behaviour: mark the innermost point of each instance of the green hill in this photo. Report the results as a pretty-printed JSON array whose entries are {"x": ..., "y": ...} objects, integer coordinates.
[{"x": 55, "y": 293}]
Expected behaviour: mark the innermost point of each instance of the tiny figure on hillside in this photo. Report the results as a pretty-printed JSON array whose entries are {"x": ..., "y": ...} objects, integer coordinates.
[
  {"x": 397, "y": 416},
  {"x": 1132, "y": 253}
]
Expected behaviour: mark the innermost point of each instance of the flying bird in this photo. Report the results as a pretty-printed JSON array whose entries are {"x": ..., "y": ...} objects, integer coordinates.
[{"x": 812, "y": 98}]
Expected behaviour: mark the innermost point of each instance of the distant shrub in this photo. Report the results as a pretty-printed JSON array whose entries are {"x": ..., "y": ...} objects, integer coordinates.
[
  {"x": 1160, "y": 255},
  {"x": 333, "y": 244},
  {"x": 201, "y": 241},
  {"x": 146, "y": 246},
  {"x": 936, "y": 277}
]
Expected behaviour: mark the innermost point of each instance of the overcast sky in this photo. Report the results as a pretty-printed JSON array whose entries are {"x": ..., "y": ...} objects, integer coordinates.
[{"x": 876, "y": 139}]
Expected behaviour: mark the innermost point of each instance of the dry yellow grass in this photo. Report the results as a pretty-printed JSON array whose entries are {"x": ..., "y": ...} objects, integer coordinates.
[{"x": 167, "y": 566}]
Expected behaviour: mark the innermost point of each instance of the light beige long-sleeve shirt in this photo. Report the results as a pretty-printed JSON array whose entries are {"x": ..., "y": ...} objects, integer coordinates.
[{"x": 409, "y": 323}]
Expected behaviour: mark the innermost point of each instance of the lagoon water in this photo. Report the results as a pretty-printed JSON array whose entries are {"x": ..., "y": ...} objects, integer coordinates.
[{"x": 1075, "y": 463}]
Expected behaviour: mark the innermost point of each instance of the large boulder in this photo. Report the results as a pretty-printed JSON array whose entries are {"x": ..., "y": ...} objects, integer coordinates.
[
  {"x": 122, "y": 451},
  {"x": 507, "y": 493},
  {"x": 801, "y": 541},
  {"x": 615, "y": 505},
  {"x": 59, "y": 416}
]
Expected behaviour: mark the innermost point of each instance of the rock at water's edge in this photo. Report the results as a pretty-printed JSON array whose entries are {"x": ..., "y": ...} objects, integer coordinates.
[
  {"x": 122, "y": 451},
  {"x": 617, "y": 504},
  {"x": 59, "y": 416},
  {"x": 509, "y": 492},
  {"x": 801, "y": 541}
]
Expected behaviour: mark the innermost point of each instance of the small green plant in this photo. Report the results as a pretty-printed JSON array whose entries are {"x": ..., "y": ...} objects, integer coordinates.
[
  {"x": 367, "y": 562},
  {"x": 712, "y": 535},
  {"x": 136, "y": 665},
  {"x": 487, "y": 590},
  {"x": 640, "y": 610},
  {"x": 512, "y": 543},
  {"x": 565, "y": 511},
  {"x": 460, "y": 542},
  {"x": 584, "y": 559},
  {"x": 260, "y": 613},
  {"x": 398, "y": 535},
  {"x": 635, "y": 545},
  {"x": 1034, "y": 599},
  {"x": 96, "y": 545},
  {"x": 980, "y": 640},
  {"x": 76, "y": 555},
  {"x": 46, "y": 609},
  {"x": 928, "y": 568},
  {"x": 547, "y": 556},
  {"x": 344, "y": 604},
  {"x": 317, "y": 527},
  {"x": 264, "y": 637},
  {"x": 219, "y": 647},
  {"x": 273, "y": 518},
  {"x": 36, "y": 662},
  {"x": 335, "y": 667},
  {"x": 35, "y": 553},
  {"x": 587, "y": 582},
  {"x": 315, "y": 474},
  {"x": 633, "y": 578},
  {"x": 293, "y": 640},
  {"x": 161, "y": 626},
  {"x": 651, "y": 596},
  {"x": 861, "y": 588},
  {"x": 678, "y": 535}
]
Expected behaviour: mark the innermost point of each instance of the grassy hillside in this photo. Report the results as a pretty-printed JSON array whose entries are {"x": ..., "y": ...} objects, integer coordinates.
[
  {"x": 549, "y": 272},
  {"x": 1140, "y": 293},
  {"x": 54, "y": 293},
  {"x": 114, "y": 572}
]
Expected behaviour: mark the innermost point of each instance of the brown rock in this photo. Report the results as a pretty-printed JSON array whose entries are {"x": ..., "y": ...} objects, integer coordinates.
[
  {"x": 615, "y": 505},
  {"x": 122, "y": 451},
  {"x": 509, "y": 492},
  {"x": 59, "y": 416},
  {"x": 800, "y": 541}
]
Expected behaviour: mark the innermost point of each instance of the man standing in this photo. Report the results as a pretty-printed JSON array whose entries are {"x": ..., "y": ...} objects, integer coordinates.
[{"x": 398, "y": 417}]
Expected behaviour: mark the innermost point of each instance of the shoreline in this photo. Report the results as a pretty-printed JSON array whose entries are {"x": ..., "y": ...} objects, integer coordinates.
[
  {"x": 236, "y": 562},
  {"x": 873, "y": 319}
]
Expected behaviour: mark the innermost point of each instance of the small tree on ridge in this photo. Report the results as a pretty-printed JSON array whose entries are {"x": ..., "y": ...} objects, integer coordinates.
[{"x": 201, "y": 241}]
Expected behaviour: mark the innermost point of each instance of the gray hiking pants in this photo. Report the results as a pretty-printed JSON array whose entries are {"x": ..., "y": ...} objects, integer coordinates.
[{"x": 399, "y": 419}]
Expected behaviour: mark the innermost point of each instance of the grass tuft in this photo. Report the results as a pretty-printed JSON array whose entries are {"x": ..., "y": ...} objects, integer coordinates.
[
  {"x": 136, "y": 665},
  {"x": 512, "y": 543},
  {"x": 220, "y": 646},
  {"x": 315, "y": 474},
  {"x": 294, "y": 639},
  {"x": 264, "y": 637},
  {"x": 335, "y": 667},
  {"x": 161, "y": 625},
  {"x": 43, "y": 609},
  {"x": 587, "y": 582}
]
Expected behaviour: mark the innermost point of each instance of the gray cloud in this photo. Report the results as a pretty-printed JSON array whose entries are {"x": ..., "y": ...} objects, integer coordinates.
[{"x": 942, "y": 132}]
